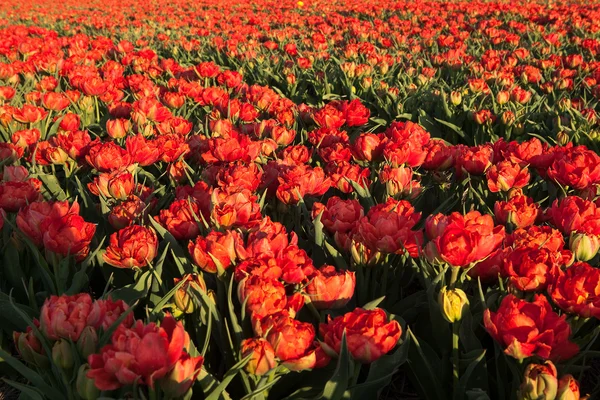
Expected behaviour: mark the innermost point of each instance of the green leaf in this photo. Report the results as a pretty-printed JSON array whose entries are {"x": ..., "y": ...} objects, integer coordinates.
[
  {"x": 381, "y": 372},
  {"x": 136, "y": 290},
  {"x": 52, "y": 187},
  {"x": 27, "y": 390},
  {"x": 229, "y": 375},
  {"x": 31, "y": 376},
  {"x": 337, "y": 386},
  {"x": 455, "y": 128},
  {"x": 165, "y": 299},
  {"x": 209, "y": 384},
  {"x": 319, "y": 237},
  {"x": 10, "y": 319},
  {"x": 461, "y": 389},
  {"x": 373, "y": 303},
  {"x": 178, "y": 252},
  {"x": 425, "y": 375}
]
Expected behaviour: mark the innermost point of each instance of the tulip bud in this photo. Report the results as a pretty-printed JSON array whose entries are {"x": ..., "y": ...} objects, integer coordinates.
[
  {"x": 87, "y": 341},
  {"x": 30, "y": 348},
  {"x": 564, "y": 104},
  {"x": 508, "y": 118},
  {"x": 184, "y": 296},
  {"x": 502, "y": 97},
  {"x": 568, "y": 388},
  {"x": 519, "y": 129},
  {"x": 263, "y": 356},
  {"x": 182, "y": 376},
  {"x": 539, "y": 382},
  {"x": 86, "y": 388},
  {"x": 562, "y": 138},
  {"x": 455, "y": 97},
  {"x": 362, "y": 255},
  {"x": 584, "y": 246},
  {"x": 452, "y": 304},
  {"x": 86, "y": 103},
  {"x": 118, "y": 128},
  {"x": 62, "y": 355},
  {"x": 57, "y": 156}
]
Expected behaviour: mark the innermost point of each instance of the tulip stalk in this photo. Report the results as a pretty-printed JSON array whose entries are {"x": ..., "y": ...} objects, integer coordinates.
[
  {"x": 455, "y": 353},
  {"x": 455, "y": 321}
]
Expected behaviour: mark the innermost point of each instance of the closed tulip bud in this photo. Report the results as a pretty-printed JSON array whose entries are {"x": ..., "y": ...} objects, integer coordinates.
[
  {"x": 584, "y": 246},
  {"x": 30, "y": 348},
  {"x": 86, "y": 103},
  {"x": 262, "y": 358},
  {"x": 562, "y": 138},
  {"x": 508, "y": 118},
  {"x": 57, "y": 156},
  {"x": 519, "y": 129},
  {"x": 564, "y": 104},
  {"x": 182, "y": 376},
  {"x": 184, "y": 296},
  {"x": 539, "y": 382},
  {"x": 452, "y": 304},
  {"x": 455, "y": 97},
  {"x": 362, "y": 255},
  {"x": 85, "y": 386},
  {"x": 62, "y": 355},
  {"x": 87, "y": 341},
  {"x": 502, "y": 97},
  {"x": 118, "y": 128},
  {"x": 568, "y": 388}
]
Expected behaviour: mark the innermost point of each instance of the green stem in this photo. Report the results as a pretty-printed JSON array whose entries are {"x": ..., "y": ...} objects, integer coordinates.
[
  {"x": 454, "y": 276},
  {"x": 97, "y": 109},
  {"x": 455, "y": 354}
]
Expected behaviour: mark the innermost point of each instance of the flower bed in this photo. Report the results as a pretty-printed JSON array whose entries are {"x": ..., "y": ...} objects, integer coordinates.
[{"x": 299, "y": 199}]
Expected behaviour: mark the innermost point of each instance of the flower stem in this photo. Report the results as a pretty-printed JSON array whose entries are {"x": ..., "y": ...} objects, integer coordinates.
[
  {"x": 455, "y": 353},
  {"x": 454, "y": 276}
]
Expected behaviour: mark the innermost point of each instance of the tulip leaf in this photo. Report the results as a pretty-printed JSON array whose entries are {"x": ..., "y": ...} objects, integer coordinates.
[
  {"x": 382, "y": 371},
  {"x": 40, "y": 261},
  {"x": 30, "y": 375},
  {"x": 136, "y": 290},
  {"x": 424, "y": 374},
  {"x": 229, "y": 375},
  {"x": 337, "y": 386},
  {"x": 12, "y": 269},
  {"x": 263, "y": 385},
  {"x": 461, "y": 389},
  {"x": 209, "y": 385},
  {"x": 11, "y": 319},
  {"x": 363, "y": 193},
  {"x": 337, "y": 257},
  {"x": 318, "y": 226},
  {"x": 176, "y": 249},
  {"x": 454, "y": 128},
  {"x": 373, "y": 303},
  {"x": 52, "y": 187},
  {"x": 165, "y": 299},
  {"x": 29, "y": 391}
]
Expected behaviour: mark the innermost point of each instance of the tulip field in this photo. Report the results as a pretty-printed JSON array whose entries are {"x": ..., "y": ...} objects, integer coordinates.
[{"x": 360, "y": 199}]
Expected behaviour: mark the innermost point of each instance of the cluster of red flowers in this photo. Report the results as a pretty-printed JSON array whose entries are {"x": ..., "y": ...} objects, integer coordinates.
[{"x": 297, "y": 155}]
